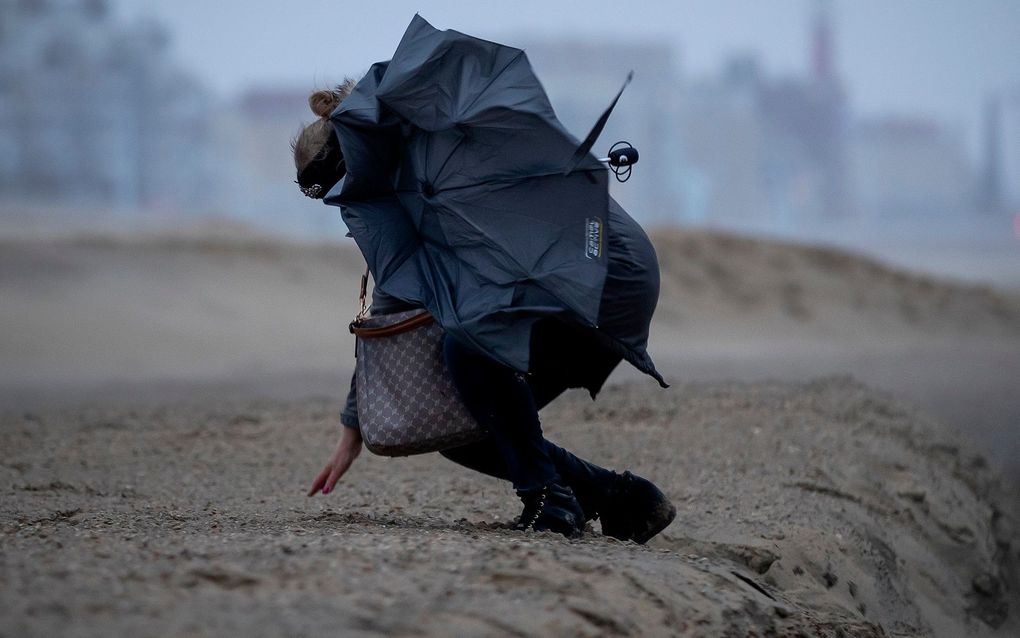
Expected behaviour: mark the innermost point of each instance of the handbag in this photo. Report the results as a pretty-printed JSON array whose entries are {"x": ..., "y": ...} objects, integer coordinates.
[{"x": 407, "y": 403}]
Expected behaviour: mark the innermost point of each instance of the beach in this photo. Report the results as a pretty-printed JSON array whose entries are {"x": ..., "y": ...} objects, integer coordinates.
[
  {"x": 839, "y": 439},
  {"x": 824, "y": 509}
]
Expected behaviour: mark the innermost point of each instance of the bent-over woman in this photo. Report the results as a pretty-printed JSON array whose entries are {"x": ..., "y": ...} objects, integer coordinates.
[{"x": 559, "y": 490}]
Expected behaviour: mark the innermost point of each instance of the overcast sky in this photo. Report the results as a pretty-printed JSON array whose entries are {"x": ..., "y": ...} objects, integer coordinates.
[{"x": 930, "y": 57}]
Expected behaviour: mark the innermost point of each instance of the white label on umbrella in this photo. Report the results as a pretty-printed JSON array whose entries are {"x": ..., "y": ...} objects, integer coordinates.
[{"x": 593, "y": 238}]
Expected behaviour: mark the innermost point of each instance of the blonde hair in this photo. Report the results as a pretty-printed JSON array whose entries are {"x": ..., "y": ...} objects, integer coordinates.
[{"x": 309, "y": 143}]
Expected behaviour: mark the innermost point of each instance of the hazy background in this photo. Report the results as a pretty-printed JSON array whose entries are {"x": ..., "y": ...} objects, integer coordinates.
[
  {"x": 888, "y": 127},
  {"x": 833, "y": 192},
  {"x": 153, "y": 243}
]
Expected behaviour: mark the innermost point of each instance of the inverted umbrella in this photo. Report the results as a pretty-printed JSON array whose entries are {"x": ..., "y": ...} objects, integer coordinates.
[{"x": 464, "y": 193}]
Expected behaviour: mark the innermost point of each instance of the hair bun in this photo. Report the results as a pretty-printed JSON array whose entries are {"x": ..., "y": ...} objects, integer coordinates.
[{"x": 324, "y": 102}]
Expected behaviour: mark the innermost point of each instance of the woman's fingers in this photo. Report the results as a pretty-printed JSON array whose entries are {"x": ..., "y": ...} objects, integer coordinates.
[
  {"x": 339, "y": 468},
  {"x": 320, "y": 480},
  {"x": 347, "y": 450}
]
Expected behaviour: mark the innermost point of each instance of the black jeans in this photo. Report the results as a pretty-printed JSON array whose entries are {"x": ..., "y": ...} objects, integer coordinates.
[{"x": 507, "y": 404}]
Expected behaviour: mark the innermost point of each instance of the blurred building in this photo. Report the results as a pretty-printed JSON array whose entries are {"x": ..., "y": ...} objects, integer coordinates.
[
  {"x": 909, "y": 167},
  {"x": 93, "y": 113},
  {"x": 767, "y": 153},
  {"x": 990, "y": 196},
  {"x": 724, "y": 143},
  {"x": 257, "y": 129},
  {"x": 1010, "y": 167},
  {"x": 999, "y": 189}
]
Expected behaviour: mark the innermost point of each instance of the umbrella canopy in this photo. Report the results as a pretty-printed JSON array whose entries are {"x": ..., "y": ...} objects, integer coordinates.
[{"x": 464, "y": 195}]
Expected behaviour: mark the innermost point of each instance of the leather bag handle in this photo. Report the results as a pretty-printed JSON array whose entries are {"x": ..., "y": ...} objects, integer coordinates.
[{"x": 406, "y": 325}]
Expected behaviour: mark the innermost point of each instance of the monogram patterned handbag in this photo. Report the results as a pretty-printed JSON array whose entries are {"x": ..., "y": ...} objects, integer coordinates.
[{"x": 407, "y": 403}]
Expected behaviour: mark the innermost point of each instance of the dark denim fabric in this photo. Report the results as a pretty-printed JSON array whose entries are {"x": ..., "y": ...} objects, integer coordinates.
[
  {"x": 499, "y": 398},
  {"x": 507, "y": 404}
]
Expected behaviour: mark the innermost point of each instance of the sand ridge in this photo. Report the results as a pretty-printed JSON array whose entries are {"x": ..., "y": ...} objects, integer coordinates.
[{"x": 823, "y": 508}]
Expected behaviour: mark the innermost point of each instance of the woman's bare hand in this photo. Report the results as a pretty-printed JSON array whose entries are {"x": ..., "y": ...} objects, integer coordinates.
[{"x": 347, "y": 449}]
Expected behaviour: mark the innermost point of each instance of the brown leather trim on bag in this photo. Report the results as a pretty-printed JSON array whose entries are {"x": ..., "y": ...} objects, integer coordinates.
[{"x": 406, "y": 325}]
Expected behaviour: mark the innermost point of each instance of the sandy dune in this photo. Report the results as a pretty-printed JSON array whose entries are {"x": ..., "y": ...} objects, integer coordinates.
[
  {"x": 158, "y": 436},
  {"x": 821, "y": 508}
]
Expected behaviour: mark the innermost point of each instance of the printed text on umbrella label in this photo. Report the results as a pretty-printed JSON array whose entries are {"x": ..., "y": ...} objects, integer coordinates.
[{"x": 593, "y": 238}]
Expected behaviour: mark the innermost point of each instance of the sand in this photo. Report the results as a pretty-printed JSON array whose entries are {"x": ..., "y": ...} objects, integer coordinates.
[
  {"x": 823, "y": 508},
  {"x": 160, "y": 425}
]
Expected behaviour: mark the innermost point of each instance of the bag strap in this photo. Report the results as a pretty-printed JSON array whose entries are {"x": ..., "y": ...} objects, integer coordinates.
[
  {"x": 422, "y": 319},
  {"x": 416, "y": 321},
  {"x": 363, "y": 297}
]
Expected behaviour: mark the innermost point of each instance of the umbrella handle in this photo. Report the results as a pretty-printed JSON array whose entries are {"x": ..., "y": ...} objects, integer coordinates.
[{"x": 621, "y": 159}]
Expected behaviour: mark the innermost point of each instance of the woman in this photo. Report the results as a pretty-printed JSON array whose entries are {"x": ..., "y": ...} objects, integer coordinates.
[{"x": 560, "y": 491}]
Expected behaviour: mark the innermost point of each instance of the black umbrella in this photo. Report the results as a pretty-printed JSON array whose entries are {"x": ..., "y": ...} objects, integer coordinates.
[{"x": 467, "y": 195}]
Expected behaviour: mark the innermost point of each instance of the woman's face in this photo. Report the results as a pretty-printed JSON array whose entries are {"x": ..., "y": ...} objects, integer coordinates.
[{"x": 324, "y": 170}]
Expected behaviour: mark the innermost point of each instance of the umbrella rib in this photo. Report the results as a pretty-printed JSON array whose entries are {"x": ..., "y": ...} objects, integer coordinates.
[
  {"x": 493, "y": 79},
  {"x": 520, "y": 268},
  {"x": 465, "y": 109},
  {"x": 428, "y": 148},
  {"x": 506, "y": 181},
  {"x": 445, "y": 162},
  {"x": 486, "y": 240}
]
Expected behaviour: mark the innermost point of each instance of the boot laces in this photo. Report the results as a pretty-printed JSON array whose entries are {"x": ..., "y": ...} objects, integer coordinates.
[{"x": 533, "y": 506}]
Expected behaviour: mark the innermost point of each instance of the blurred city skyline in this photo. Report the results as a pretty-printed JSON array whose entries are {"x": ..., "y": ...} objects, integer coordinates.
[
  {"x": 937, "y": 60},
  {"x": 817, "y": 120}
]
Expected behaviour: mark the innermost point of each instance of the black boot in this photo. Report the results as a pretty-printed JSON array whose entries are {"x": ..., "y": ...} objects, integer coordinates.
[
  {"x": 632, "y": 508},
  {"x": 551, "y": 508}
]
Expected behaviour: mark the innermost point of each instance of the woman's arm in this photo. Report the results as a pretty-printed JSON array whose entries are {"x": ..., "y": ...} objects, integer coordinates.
[{"x": 347, "y": 448}]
